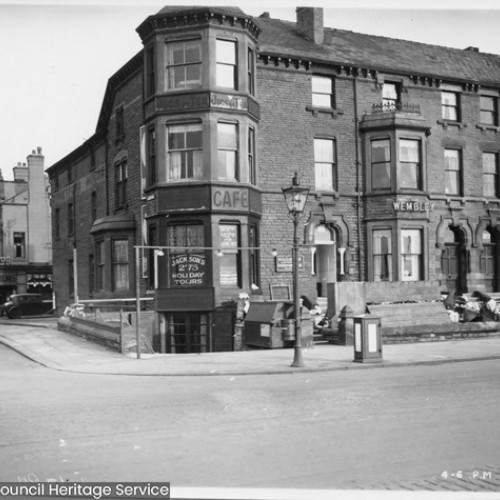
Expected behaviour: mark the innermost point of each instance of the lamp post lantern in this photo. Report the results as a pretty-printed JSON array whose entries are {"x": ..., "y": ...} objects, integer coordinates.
[{"x": 296, "y": 199}]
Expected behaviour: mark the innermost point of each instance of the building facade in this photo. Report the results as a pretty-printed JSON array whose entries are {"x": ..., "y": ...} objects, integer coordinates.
[
  {"x": 398, "y": 141},
  {"x": 25, "y": 238}
]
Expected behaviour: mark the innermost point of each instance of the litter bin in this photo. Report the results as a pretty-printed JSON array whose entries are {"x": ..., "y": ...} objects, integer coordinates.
[
  {"x": 367, "y": 339},
  {"x": 266, "y": 324}
]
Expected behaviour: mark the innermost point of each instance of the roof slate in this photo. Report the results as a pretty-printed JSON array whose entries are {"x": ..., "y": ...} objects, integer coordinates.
[{"x": 380, "y": 53}]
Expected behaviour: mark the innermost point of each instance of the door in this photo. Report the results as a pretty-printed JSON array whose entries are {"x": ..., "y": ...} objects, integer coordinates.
[
  {"x": 454, "y": 262},
  {"x": 489, "y": 260},
  {"x": 188, "y": 332}
]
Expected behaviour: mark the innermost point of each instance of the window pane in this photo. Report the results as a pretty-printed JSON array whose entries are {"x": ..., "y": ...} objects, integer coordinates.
[
  {"x": 192, "y": 51},
  {"x": 449, "y": 101},
  {"x": 185, "y": 155},
  {"x": 323, "y": 150},
  {"x": 225, "y": 76},
  {"x": 193, "y": 76},
  {"x": 322, "y": 84},
  {"x": 452, "y": 183},
  {"x": 322, "y": 91},
  {"x": 409, "y": 150},
  {"x": 176, "y": 53},
  {"x": 449, "y": 98},
  {"x": 226, "y": 52},
  {"x": 452, "y": 159},
  {"x": 487, "y": 117},
  {"x": 229, "y": 269},
  {"x": 389, "y": 91},
  {"x": 381, "y": 176},
  {"x": 381, "y": 151},
  {"x": 324, "y": 164},
  {"x": 409, "y": 164},
  {"x": 184, "y": 64},
  {"x": 408, "y": 175},
  {"x": 487, "y": 103},
  {"x": 227, "y": 165},
  {"x": 226, "y": 135},
  {"x": 324, "y": 176},
  {"x": 490, "y": 181},
  {"x": 322, "y": 100},
  {"x": 411, "y": 253},
  {"x": 381, "y": 164},
  {"x": 193, "y": 138},
  {"x": 382, "y": 255}
]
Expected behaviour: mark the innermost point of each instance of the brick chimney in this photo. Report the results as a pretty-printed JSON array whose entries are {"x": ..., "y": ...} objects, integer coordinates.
[{"x": 310, "y": 23}]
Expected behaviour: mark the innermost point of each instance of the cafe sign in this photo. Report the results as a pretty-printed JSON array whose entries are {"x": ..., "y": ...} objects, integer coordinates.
[
  {"x": 188, "y": 270},
  {"x": 230, "y": 199}
]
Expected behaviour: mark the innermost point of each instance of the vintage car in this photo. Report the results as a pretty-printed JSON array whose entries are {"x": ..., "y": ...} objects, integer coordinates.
[{"x": 25, "y": 304}]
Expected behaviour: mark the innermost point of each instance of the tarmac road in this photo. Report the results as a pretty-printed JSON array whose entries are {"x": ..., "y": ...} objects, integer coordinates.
[{"x": 354, "y": 429}]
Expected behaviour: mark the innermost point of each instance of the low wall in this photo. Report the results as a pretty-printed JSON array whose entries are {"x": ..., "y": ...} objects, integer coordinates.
[
  {"x": 109, "y": 333},
  {"x": 97, "y": 331},
  {"x": 357, "y": 294}
]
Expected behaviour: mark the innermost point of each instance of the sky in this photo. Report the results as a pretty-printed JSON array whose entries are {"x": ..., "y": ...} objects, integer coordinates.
[{"x": 56, "y": 57}]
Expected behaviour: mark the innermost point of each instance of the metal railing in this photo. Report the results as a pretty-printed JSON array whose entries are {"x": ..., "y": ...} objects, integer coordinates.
[{"x": 403, "y": 107}]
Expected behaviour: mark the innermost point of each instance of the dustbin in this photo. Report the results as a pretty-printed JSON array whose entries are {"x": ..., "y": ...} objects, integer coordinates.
[
  {"x": 265, "y": 324},
  {"x": 367, "y": 339}
]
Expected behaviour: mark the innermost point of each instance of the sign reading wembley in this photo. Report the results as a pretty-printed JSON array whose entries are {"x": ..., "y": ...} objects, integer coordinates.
[{"x": 412, "y": 206}]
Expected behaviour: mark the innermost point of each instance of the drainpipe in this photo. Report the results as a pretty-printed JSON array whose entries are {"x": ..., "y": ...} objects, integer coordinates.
[{"x": 358, "y": 170}]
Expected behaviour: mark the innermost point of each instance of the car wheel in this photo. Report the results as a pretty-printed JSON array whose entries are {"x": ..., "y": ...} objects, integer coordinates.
[{"x": 14, "y": 313}]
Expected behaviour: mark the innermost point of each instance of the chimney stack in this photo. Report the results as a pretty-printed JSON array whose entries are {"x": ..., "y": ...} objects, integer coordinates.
[{"x": 310, "y": 23}]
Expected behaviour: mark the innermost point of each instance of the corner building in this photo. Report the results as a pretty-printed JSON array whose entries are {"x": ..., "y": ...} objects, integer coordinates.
[{"x": 199, "y": 132}]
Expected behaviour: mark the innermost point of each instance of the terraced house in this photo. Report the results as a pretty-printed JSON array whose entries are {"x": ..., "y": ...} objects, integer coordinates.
[{"x": 398, "y": 141}]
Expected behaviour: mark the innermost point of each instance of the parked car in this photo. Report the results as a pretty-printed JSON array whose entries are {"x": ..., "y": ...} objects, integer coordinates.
[{"x": 26, "y": 304}]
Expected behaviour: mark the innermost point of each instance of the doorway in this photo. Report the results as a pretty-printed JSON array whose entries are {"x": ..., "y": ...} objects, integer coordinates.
[
  {"x": 489, "y": 259},
  {"x": 454, "y": 261},
  {"x": 324, "y": 258},
  {"x": 187, "y": 332}
]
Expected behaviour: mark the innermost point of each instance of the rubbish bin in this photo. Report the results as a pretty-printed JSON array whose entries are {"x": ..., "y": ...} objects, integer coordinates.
[
  {"x": 266, "y": 324},
  {"x": 367, "y": 339}
]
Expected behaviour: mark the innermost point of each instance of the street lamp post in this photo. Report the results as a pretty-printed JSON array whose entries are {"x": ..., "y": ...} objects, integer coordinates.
[{"x": 296, "y": 199}]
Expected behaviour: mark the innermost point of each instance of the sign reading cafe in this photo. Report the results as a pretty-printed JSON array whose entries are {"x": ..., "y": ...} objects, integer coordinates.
[{"x": 188, "y": 269}]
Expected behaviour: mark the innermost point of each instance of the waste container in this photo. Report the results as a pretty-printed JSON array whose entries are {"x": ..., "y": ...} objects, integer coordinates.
[
  {"x": 367, "y": 339},
  {"x": 267, "y": 326}
]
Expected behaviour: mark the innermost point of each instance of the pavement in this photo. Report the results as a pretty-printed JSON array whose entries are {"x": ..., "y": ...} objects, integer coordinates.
[{"x": 43, "y": 343}]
